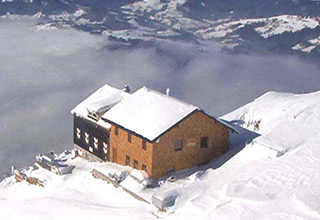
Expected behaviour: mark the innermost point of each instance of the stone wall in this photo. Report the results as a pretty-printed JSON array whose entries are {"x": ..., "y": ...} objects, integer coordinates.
[{"x": 86, "y": 154}]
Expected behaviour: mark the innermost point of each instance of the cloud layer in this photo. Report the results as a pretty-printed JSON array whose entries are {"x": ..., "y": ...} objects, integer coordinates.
[{"x": 44, "y": 74}]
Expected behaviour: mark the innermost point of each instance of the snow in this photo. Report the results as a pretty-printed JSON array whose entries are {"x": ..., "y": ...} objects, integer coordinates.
[
  {"x": 308, "y": 49},
  {"x": 48, "y": 26},
  {"x": 298, "y": 47},
  {"x": 250, "y": 182},
  {"x": 148, "y": 113},
  {"x": 290, "y": 114},
  {"x": 309, "y": 46},
  {"x": 285, "y": 23},
  {"x": 165, "y": 13},
  {"x": 144, "y": 6},
  {"x": 101, "y": 100},
  {"x": 268, "y": 27},
  {"x": 141, "y": 33},
  {"x": 76, "y": 196},
  {"x": 315, "y": 40},
  {"x": 79, "y": 13},
  {"x": 173, "y": 17}
]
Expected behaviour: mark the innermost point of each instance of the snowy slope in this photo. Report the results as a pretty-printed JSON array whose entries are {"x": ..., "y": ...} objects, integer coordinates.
[
  {"x": 308, "y": 46},
  {"x": 287, "y": 114},
  {"x": 267, "y": 27},
  {"x": 247, "y": 183}
]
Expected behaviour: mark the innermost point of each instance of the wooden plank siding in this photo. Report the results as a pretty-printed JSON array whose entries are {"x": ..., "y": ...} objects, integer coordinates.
[
  {"x": 190, "y": 131},
  {"x": 94, "y": 131},
  {"x": 121, "y": 147},
  {"x": 161, "y": 155}
]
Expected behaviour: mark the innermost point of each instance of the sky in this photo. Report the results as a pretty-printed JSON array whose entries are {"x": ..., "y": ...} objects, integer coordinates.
[{"x": 44, "y": 74}]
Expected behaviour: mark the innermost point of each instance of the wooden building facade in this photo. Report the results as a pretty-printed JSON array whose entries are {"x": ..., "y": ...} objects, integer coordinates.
[
  {"x": 90, "y": 132},
  {"x": 92, "y": 138},
  {"x": 193, "y": 141},
  {"x": 147, "y": 130}
]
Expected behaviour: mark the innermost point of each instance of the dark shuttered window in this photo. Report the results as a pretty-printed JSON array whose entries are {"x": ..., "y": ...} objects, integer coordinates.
[
  {"x": 127, "y": 160},
  {"x": 179, "y": 145},
  {"x": 144, "y": 145},
  {"x": 204, "y": 142},
  {"x": 129, "y": 137},
  {"x": 116, "y": 131},
  {"x": 144, "y": 167},
  {"x": 136, "y": 164}
]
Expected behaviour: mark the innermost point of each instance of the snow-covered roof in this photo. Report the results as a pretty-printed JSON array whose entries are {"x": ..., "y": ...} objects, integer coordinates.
[
  {"x": 100, "y": 101},
  {"x": 148, "y": 113}
]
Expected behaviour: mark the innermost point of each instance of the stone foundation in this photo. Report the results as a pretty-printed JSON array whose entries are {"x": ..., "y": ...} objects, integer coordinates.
[{"x": 86, "y": 155}]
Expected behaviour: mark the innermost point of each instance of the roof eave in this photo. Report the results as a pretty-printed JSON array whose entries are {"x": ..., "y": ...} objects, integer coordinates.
[
  {"x": 157, "y": 137},
  {"x": 126, "y": 129},
  {"x": 174, "y": 125},
  {"x": 223, "y": 122}
]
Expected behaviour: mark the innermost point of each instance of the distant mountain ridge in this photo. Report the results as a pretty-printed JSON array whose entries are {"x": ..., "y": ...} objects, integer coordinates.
[{"x": 263, "y": 26}]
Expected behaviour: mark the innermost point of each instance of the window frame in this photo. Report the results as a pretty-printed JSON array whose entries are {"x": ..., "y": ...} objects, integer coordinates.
[
  {"x": 135, "y": 164},
  {"x": 105, "y": 147},
  {"x": 129, "y": 138},
  {"x": 96, "y": 142},
  {"x": 128, "y": 160},
  {"x": 144, "y": 167},
  {"x": 178, "y": 145},
  {"x": 144, "y": 144},
  {"x": 78, "y": 133},
  {"x": 171, "y": 169},
  {"x": 87, "y": 137},
  {"x": 204, "y": 142}
]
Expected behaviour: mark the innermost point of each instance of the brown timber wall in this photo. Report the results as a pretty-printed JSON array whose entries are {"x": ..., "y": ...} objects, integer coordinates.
[
  {"x": 190, "y": 131},
  {"x": 120, "y": 147},
  {"x": 161, "y": 155}
]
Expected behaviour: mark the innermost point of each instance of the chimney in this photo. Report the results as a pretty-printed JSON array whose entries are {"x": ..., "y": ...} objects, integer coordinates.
[
  {"x": 126, "y": 89},
  {"x": 168, "y": 91}
]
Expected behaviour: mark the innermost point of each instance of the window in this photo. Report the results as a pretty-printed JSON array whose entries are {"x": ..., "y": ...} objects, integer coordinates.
[
  {"x": 116, "y": 131},
  {"x": 127, "y": 160},
  {"x": 204, "y": 142},
  {"x": 129, "y": 137},
  {"x": 136, "y": 164},
  {"x": 87, "y": 137},
  {"x": 171, "y": 169},
  {"x": 105, "y": 148},
  {"x": 144, "y": 145},
  {"x": 90, "y": 149},
  {"x": 179, "y": 144},
  {"x": 78, "y": 133},
  {"x": 96, "y": 142},
  {"x": 93, "y": 115},
  {"x": 144, "y": 167}
]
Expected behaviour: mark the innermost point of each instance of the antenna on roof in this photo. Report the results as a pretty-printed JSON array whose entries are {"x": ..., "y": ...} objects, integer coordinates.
[
  {"x": 126, "y": 88},
  {"x": 168, "y": 91}
]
